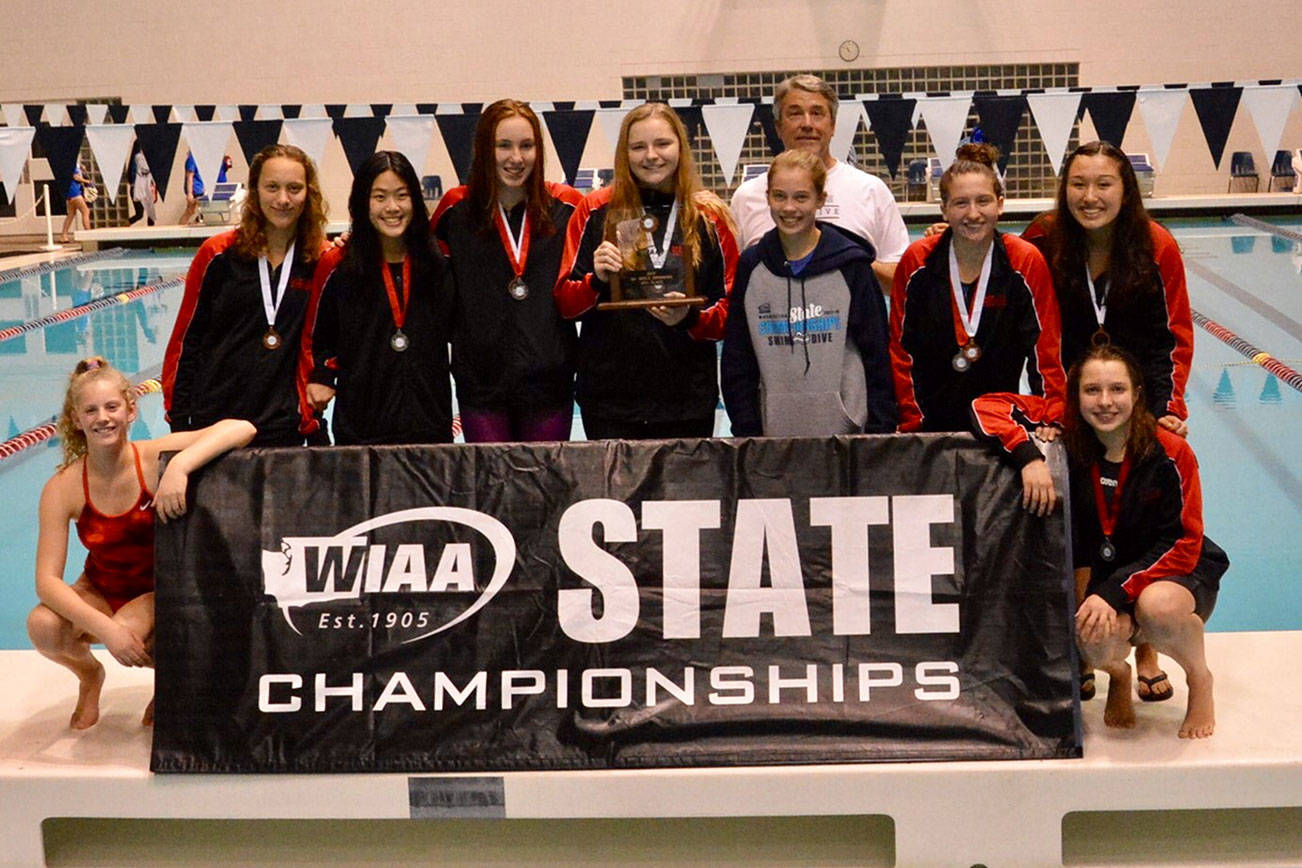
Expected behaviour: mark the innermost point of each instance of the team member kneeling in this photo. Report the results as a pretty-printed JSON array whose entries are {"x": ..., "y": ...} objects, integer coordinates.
[
  {"x": 806, "y": 350},
  {"x": 1148, "y": 573}
]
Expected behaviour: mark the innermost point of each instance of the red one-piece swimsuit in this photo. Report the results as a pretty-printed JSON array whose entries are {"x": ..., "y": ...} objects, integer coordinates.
[{"x": 119, "y": 548}]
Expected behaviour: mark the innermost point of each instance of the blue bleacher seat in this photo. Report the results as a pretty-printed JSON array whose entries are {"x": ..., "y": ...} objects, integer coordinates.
[
  {"x": 431, "y": 188},
  {"x": 1242, "y": 170},
  {"x": 1282, "y": 169}
]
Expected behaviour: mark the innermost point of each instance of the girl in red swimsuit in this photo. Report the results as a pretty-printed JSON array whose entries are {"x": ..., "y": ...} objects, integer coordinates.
[{"x": 103, "y": 486}]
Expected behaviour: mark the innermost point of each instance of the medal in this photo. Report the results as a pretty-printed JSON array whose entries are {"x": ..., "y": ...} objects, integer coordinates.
[
  {"x": 1109, "y": 511},
  {"x": 398, "y": 305},
  {"x": 966, "y": 356},
  {"x": 1107, "y": 551},
  {"x": 967, "y": 322},
  {"x": 517, "y": 252},
  {"x": 1100, "y": 337},
  {"x": 272, "y": 340},
  {"x": 658, "y": 254}
]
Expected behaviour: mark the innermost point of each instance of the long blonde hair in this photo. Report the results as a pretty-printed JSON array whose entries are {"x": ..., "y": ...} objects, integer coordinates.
[
  {"x": 87, "y": 371},
  {"x": 626, "y": 199}
]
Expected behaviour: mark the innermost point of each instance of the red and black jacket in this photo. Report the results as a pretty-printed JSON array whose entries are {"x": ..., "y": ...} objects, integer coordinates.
[
  {"x": 1159, "y": 531},
  {"x": 1018, "y": 329},
  {"x": 507, "y": 353},
  {"x": 1156, "y": 328},
  {"x": 382, "y": 396},
  {"x": 632, "y": 367},
  {"x": 1009, "y": 419},
  {"x": 215, "y": 366}
]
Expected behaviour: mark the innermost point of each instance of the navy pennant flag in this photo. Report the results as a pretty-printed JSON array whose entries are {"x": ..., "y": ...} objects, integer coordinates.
[
  {"x": 1000, "y": 116},
  {"x": 890, "y": 122},
  {"x": 253, "y": 136},
  {"x": 769, "y": 126},
  {"x": 1110, "y": 112},
  {"x": 458, "y": 136},
  {"x": 158, "y": 141},
  {"x": 569, "y": 130},
  {"x": 359, "y": 137},
  {"x": 61, "y": 146},
  {"x": 1216, "y": 107}
]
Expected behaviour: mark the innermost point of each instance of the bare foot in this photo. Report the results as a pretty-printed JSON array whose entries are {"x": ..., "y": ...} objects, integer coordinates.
[
  {"x": 1120, "y": 710},
  {"x": 148, "y": 718},
  {"x": 87, "y": 711},
  {"x": 1200, "y": 716}
]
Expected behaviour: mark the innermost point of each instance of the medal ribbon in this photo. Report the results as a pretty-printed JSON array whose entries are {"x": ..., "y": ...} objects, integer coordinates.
[
  {"x": 967, "y": 322},
  {"x": 517, "y": 250},
  {"x": 1100, "y": 309},
  {"x": 397, "y": 306},
  {"x": 269, "y": 305},
  {"x": 656, "y": 254},
  {"x": 1108, "y": 513}
]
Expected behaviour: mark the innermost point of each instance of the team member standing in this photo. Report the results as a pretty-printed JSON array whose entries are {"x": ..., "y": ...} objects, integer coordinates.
[
  {"x": 376, "y": 338},
  {"x": 110, "y": 489},
  {"x": 234, "y": 348},
  {"x": 971, "y": 308},
  {"x": 649, "y": 373},
  {"x": 1119, "y": 276},
  {"x": 806, "y": 351},
  {"x": 504, "y": 233},
  {"x": 804, "y": 107}
]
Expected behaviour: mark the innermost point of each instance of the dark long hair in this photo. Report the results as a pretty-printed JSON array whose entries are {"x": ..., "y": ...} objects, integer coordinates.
[
  {"x": 1130, "y": 259},
  {"x": 483, "y": 186},
  {"x": 364, "y": 243},
  {"x": 1083, "y": 445}
]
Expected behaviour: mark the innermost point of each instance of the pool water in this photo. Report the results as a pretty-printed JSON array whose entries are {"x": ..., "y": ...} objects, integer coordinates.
[{"x": 1243, "y": 420}]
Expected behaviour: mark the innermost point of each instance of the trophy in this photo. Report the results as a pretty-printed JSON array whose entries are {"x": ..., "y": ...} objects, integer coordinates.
[{"x": 647, "y": 274}]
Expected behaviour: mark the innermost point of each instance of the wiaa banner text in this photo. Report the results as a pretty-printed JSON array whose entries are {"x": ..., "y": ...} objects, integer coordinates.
[{"x": 611, "y": 604}]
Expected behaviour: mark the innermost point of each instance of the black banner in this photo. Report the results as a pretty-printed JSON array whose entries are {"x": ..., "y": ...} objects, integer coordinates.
[{"x": 611, "y": 604}]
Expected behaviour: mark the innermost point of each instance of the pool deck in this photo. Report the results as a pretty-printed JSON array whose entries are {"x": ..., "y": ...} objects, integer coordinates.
[
  {"x": 943, "y": 813},
  {"x": 914, "y": 212}
]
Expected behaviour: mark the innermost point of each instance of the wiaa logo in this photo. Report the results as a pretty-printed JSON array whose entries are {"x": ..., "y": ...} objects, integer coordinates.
[{"x": 345, "y": 566}]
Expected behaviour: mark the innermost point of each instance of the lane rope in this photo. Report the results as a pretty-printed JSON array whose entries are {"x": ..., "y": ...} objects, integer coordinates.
[
  {"x": 1254, "y": 354},
  {"x": 1254, "y": 223},
  {"x": 54, "y": 265},
  {"x": 88, "y": 308},
  {"x": 48, "y": 429}
]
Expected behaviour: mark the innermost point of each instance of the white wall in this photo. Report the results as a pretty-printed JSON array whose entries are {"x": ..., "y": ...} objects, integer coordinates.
[{"x": 239, "y": 51}]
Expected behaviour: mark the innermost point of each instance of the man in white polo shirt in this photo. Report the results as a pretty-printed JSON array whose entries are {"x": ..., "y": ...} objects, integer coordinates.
[{"x": 805, "y": 109}]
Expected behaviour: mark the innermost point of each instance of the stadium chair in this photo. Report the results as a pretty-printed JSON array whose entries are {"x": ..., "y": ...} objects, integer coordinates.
[
  {"x": 1144, "y": 173},
  {"x": 934, "y": 171},
  {"x": 1243, "y": 170},
  {"x": 431, "y": 188},
  {"x": 915, "y": 189},
  {"x": 222, "y": 203},
  {"x": 585, "y": 180},
  {"x": 753, "y": 170},
  {"x": 1282, "y": 170}
]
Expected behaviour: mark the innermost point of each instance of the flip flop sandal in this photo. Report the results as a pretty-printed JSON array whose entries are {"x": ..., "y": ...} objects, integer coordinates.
[
  {"x": 1155, "y": 694},
  {"x": 1086, "y": 686}
]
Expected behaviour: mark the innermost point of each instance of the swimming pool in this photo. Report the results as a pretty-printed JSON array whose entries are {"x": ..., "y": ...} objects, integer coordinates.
[{"x": 1242, "y": 419}]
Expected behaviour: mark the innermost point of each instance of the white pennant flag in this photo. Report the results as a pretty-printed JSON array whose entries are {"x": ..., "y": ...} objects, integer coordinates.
[
  {"x": 138, "y": 113},
  {"x": 411, "y": 136},
  {"x": 727, "y": 126},
  {"x": 97, "y": 112},
  {"x": 312, "y": 111},
  {"x": 1161, "y": 109},
  {"x": 610, "y": 120},
  {"x": 1055, "y": 115},
  {"x": 56, "y": 114},
  {"x": 269, "y": 112},
  {"x": 1270, "y": 107},
  {"x": 183, "y": 113},
  {"x": 208, "y": 141},
  {"x": 15, "y": 147},
  {"x": 310, "y": 134},
  {"x": 848, "y": 115},
  {"x": 946, "y": 118},
  {"x": 111, "y": 144},
  {"x": 14, "y": 115},
  {"x": 226, "y": 113}
]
